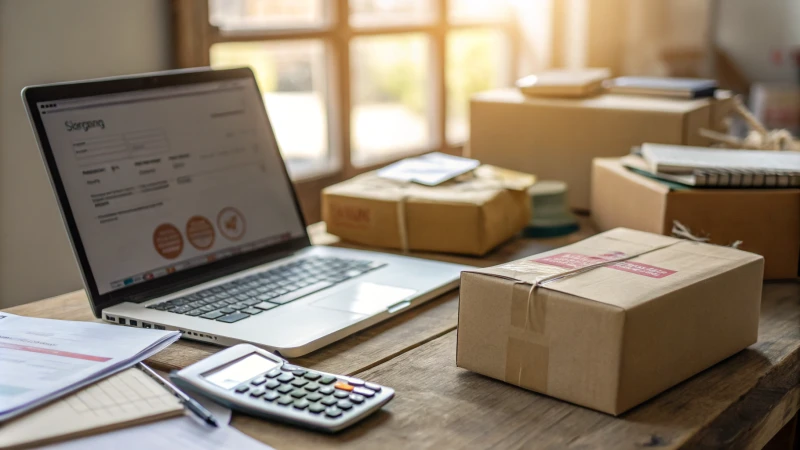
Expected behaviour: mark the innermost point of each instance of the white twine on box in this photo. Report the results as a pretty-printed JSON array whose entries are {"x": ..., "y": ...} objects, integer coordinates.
[
  {"x": 759, "y": 137},
  {"x": 680, "y": 230}
]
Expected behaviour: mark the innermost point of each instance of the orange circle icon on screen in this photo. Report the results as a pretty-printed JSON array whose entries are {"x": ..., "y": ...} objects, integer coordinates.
[
  {"x": 168, "y": 241},
  {"x": 200, "y": 232},
  {"x": 231, "y": 223}
]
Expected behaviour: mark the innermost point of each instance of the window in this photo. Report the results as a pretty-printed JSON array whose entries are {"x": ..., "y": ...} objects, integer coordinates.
[{"x": 353, "y": 84}]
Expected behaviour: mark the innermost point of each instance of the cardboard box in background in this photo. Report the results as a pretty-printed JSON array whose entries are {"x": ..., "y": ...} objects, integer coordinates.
[
  {"x": 470, "y": 216},
  {"x": 613, "y": 336},
  {"x": 767, "y": 221},
  {"x": 557, "y": 138}
]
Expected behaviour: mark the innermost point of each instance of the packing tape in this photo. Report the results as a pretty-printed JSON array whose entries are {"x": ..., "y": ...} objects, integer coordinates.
[{"x": 527, "y": 350}]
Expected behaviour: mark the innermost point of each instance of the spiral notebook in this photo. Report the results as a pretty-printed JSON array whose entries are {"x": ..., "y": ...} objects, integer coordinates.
[{"x": 710, "y": 167}]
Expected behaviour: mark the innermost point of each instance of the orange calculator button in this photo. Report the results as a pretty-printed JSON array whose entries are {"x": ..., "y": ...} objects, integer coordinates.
[{"x": 343, "y": 386}]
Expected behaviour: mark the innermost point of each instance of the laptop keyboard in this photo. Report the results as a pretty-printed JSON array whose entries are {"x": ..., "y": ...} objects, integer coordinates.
[{"x": 245, "y": 297}]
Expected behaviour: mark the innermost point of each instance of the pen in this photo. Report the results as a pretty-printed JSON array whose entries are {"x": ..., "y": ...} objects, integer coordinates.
[{"x": 190, "y": 403}]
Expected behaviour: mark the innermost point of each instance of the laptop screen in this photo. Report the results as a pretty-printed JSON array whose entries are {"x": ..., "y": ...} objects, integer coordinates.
[{"x": 167, "y": 179}]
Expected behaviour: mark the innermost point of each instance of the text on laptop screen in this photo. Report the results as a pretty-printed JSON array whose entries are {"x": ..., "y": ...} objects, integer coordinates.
[{"x": 167, "y": 179}]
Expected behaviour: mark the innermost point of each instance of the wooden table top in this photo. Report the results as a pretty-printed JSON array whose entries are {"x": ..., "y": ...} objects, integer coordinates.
[{"x": 739, "y": 403}]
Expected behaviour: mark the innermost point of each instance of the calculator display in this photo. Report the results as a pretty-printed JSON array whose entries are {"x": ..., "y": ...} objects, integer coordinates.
[{"x": 246, "y": 368}]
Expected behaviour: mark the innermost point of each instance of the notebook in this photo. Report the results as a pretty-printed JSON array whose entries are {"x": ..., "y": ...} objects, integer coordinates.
[
  {"x": 125, "y": 399},
  {"x": 564, "y": 83},
  {"x": 661, "y": 86},
  {"x": 699, "y": 166}
]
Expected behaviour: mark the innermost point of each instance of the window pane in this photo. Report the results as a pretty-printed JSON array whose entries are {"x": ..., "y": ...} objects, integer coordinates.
[
  {"x": 238, "y": 15},
  {"x": 391, "y": 12},
  {"x": 291, "y": 76},
  {"x": 476, "y": 60},
  {"x": 477, "y": 10},
  {"x": 390, "y": 96}
]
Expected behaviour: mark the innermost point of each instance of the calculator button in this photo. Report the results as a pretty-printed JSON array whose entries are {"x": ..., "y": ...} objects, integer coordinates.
[
  {"x": 257, "y": 392},
  {"x": 333, "y": 411},
  {"x": 271, "y": 395},
  {"x": 313, "y": 397},
  {"x": 299, "y": 382},
  {"x": 285, "y": 400},
  {"x": 311, "y": 387},
  {"x": 372, "y": 386},
  {"x": 326, "y": 390},
  {"x": 344, "y": 404},
  {"x": 299, "y": 372},
  {"x": 355, "y": 382},
  {"x": 299, "y": 393},
  {"x": 258, "y": 381},
  {"x": 341, "y": 394},
  {"x": 285, "y": 389},
  {"x": 357, "y": 398},
  {"x": 272, "y": 384},
  {"x": 289, "y": 368},
  {"x": 364, "y": 392},
  {"x": 327, "y": 379},
  {"x": 242, "y": 389},
  {"x": 343, "y": 386},
  {"x": 301, "y": 404},
  {"x": 285, "y": 378},
  {"x": 313, "y": 376},
  {"x": 316, "y": 409},
  {"x": 328, "y": 401},
  {"x": 273, "y": 373}
]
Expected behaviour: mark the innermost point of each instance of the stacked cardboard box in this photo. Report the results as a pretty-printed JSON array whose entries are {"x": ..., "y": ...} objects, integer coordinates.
[
  {"x": 557, "y": 138},
  {"x": 766, "y": 221}
]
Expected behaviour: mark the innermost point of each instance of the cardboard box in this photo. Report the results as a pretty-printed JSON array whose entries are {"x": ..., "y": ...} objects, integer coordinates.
[
  {"x": 610, "y": 321},
  {"x": 557, "y": 138},
  {"x": 767, "y": 221},
  {"x": 470, "y": 215}
]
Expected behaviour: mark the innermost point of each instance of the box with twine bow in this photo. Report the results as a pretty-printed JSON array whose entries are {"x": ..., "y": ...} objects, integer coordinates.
[{"x": 470, "y": 214}]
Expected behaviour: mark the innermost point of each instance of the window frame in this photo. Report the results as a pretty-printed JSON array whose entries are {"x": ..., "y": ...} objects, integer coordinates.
[{"x": 194, "y": 35}]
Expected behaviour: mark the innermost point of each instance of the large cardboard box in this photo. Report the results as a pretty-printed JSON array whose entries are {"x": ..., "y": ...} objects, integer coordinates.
[
  {"x": 557, "y": 138},
  {"x": 767, "y": 221},
  {"x": 470, "y": 215},
  {"x": 610, "y": 321}
]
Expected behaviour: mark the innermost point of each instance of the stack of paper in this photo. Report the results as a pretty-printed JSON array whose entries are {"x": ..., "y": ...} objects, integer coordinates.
[{"x": 43, "y": 359}]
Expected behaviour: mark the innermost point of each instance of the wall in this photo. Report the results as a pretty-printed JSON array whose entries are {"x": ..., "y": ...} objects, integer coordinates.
[
  {"x": 752, "y": 31},
  {"x": 46, "y": 41}
]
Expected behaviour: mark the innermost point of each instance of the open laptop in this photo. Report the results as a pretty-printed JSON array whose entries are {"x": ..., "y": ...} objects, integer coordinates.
[{"x": 182, "y": 216}]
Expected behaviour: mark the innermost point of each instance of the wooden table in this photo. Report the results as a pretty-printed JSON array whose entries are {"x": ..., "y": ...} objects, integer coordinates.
[{"x": 740, "y": 403}]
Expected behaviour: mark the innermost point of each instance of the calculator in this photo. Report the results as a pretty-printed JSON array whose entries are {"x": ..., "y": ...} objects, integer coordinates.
[{"x": 251, "y": 380}]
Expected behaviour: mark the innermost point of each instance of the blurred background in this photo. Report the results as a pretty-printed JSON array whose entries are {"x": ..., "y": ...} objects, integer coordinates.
[{"x": 351, "y": 85}]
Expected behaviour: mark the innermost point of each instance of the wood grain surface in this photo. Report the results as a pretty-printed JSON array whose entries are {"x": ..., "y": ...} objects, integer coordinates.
[{"x": 739, "y": 403}]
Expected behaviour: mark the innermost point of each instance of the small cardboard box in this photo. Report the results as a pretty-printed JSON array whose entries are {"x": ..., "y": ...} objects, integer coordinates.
[
  {"x": 470, "y": 215},
  {"x": 557, "y": 138},
  {"x": 767, "y": 221},
  {"x": 610, "y": 321}
]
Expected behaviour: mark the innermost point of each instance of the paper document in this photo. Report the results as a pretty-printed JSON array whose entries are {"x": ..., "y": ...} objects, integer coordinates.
[
  {"x": 170, "y": 434},
  {"x": 431, "y": 169},
  {"x": 42, "y": 359}
]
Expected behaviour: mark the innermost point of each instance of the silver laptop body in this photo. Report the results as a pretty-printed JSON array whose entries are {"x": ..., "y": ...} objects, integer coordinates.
[{"x": 182, "y": 216}]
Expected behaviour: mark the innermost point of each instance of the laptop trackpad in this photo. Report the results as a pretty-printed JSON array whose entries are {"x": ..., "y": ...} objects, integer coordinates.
[{"x": 365, "y": 298}]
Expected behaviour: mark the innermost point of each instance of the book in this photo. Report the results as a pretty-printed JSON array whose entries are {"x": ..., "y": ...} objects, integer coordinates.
[
  {"x": 706, "y": 167},
  {"x": 563, "y": 83},
  {"x": 662, "y": 86}
]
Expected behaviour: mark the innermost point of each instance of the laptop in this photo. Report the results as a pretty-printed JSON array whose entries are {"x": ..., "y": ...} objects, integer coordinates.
[{"x": 182, "y": 216}]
